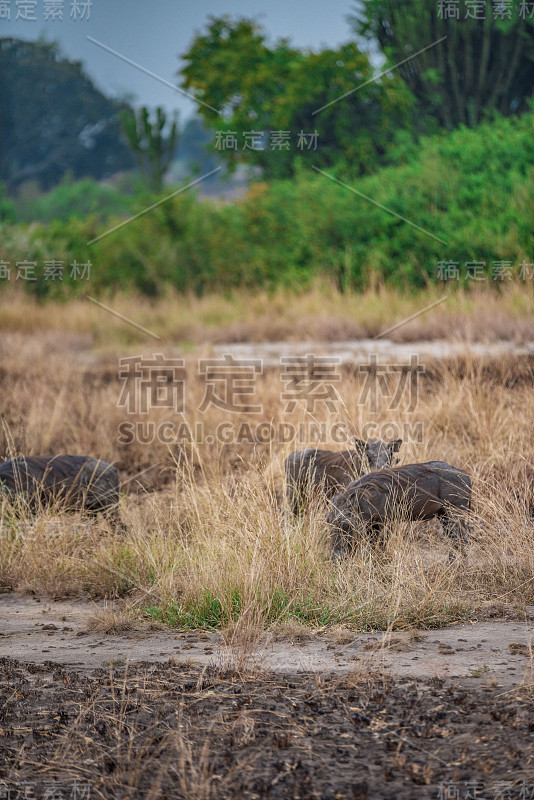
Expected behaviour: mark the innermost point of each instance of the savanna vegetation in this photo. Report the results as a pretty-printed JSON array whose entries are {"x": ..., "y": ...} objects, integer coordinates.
[
  {"x": 411, "y": 172},
  {"x": 209, "y": 534},
  {"x": 319, "y": 314},
  {"x": 387, "y": 190},
  {"x": 461, "y": 197},
  {"x": 429, "y": 163}
]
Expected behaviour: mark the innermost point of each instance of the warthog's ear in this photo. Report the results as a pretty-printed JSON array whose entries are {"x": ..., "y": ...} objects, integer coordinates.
[
  {"x": 394, "y": 446},
  {"x": 360, "y": 445}
]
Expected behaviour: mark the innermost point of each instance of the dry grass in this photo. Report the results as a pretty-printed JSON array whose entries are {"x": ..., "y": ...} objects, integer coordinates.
[
  {"x": 240, "y": 641},
  {"x": 319, "y": 314},
  {"x": 210, "y": 542},
  {"x": 111, "y": 621}
]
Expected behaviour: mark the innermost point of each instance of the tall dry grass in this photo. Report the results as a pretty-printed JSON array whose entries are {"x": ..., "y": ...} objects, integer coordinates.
[
  {"x": 210, "y": 539},
  {"x": 489, "y": 313}
]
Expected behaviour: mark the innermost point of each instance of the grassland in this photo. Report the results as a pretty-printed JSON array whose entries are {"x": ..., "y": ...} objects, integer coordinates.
[
  {"x": 493, "y": 312},
  {"x": 210, "y": 542}
]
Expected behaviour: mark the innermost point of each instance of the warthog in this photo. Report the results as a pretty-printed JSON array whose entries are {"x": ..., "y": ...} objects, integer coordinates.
[
  {"x": 413, "y": 491},
  {"x": 74, "y": 483},
  {"x": 327, "y": 471}
]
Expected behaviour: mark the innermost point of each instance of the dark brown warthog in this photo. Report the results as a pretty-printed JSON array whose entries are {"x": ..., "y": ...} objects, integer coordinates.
[
  {"x": 74, "y": 483},
  {"x": 413, "y": 491},
  {"x": 326, "y": 471}
]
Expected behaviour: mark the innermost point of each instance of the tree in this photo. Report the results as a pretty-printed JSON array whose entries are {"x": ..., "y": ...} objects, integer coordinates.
[
  {"x": 484, "y": 65},
  {"x": 152, "y": 149},
  {"x": 246, "y": 85},
  {"x": 53, "y": 120}
]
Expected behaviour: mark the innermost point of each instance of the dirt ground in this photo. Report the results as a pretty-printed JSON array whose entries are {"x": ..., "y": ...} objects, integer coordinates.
[
  {"x": 35, "y": 629},
  {"x": 164, "y": 714}
]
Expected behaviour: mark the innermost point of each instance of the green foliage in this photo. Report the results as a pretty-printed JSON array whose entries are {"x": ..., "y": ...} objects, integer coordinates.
[
  {"x": 248, "y": 85},
  {"x": 71, "y": 199},
  {"x": 211, "y": 612},
  {"x": 474, "y": 189},
  {"x": 484, "y": 66},
  {"x": 153, "y": 150},
  {"x": 53, "y": 119},
  {"x": 208, "y": 611}
]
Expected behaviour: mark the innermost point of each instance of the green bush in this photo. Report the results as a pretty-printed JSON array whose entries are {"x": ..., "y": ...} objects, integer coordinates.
[
  {"x": 473, "y": 189},
  {"x": 72, "y": 199}
]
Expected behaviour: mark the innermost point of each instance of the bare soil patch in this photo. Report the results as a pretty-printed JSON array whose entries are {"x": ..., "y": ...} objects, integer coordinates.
[
  {"x": 183, "y": 731},
  {"x": 174, "y": 714},
  {"x": 61, "y": 632}
]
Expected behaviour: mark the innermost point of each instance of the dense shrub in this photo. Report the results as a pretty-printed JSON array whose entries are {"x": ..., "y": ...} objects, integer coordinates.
[
  {"x": 71, "y": 199},
  {"x": 472, "y": 189}
]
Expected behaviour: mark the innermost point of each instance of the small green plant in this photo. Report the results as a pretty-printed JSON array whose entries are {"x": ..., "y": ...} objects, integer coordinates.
[{"x": 477, "y": 672}]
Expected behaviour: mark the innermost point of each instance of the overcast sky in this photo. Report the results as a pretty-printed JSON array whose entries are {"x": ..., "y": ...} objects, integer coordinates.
[{"x": 154, "y": 33}]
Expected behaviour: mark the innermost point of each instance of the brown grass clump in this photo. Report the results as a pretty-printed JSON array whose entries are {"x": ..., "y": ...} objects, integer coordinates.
[{"x": 110, "y": 621}]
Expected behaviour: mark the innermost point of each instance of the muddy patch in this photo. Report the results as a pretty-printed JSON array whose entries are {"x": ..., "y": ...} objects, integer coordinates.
[
  {"x": 184, "y": 731},
  {"x": 174, "y": 714}
]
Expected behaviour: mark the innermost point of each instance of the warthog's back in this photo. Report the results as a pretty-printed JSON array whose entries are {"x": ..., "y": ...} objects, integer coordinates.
[
  {"x": 454, "y": 483},
  {"x": 320, "y": 466},
  {"x": 78, "y": 481},
  {"x": 329, "y": 471},
  {"x": 319, "y": 470},
  {"x": 419, "y": 491}
]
